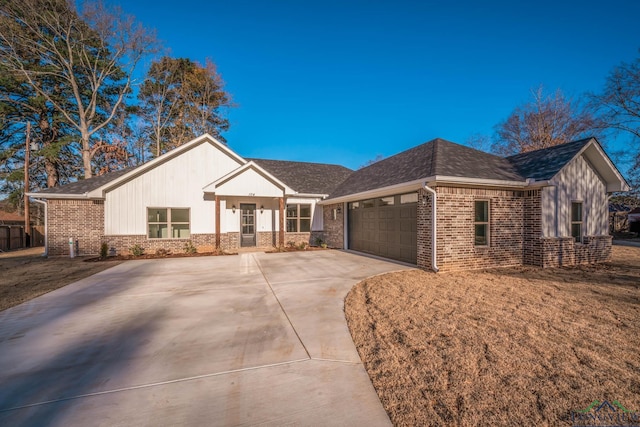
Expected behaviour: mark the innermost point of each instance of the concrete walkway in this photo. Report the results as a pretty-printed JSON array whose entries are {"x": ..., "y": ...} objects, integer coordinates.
[{"x": 252, "y": 339}]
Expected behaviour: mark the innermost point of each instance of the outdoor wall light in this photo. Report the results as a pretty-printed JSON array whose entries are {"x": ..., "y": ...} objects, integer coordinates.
[
  {"x": 339, "y": 210},
  {"x": 233, "y": 208},
  {"x": 261, "y": 208}
]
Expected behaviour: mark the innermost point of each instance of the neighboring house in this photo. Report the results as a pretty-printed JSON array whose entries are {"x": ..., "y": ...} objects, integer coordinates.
[
  {"x": 11, "y": 218},
  {"x": 439, "y": 205}
]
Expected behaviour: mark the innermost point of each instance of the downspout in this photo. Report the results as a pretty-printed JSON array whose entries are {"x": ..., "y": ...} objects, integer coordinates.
[
  {"x": 46, "y": 227},
  {"x": 434, "y": 239}
]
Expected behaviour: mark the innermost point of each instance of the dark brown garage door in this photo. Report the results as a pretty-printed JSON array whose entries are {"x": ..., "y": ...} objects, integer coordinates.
[{"x": 386, "y": 226}]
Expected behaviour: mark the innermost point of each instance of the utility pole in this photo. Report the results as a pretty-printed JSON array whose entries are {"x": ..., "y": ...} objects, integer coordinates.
[{"x": 27, "y": 223}]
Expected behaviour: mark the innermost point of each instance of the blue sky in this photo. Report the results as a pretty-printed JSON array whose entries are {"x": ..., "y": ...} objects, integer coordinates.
[{"x": 345, "y": 81}]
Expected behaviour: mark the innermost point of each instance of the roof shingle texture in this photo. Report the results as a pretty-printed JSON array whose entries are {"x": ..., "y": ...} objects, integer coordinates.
[
  {"x": 308, "y": 178},
  {"x": 85, "y": 185},
  {"x": 546, "y": 163},
  {"x": 436, "y": 157},
  {"x": 443, "y": 158}
]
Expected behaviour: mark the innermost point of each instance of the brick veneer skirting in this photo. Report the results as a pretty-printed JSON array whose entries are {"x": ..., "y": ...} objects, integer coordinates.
[{"x": 564, "y": 251}]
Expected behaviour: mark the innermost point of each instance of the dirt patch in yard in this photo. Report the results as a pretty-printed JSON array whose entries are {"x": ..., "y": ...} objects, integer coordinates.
[
  {"x": 26, "y": 274},
  {"x": 520, "y": 346}
]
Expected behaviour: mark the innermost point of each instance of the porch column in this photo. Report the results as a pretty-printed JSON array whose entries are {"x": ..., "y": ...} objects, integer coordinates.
[
  {"x": 217, "y": 222},
  {"x": 281, "y": 221}
]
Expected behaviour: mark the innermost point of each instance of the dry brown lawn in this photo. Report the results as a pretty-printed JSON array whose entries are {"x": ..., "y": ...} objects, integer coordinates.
[
  {"x": 520, "y": 346},
  {"x": 26, "y": 274}
]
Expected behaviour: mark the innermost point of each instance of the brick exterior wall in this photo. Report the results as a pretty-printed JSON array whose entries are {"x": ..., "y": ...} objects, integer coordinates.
[
  {"x": 333, "y": 234},
  {"x": 82, "y": 220},
  {"x": 455, "y": 218},
  {"x": 564, "y": 251},
  {"x": 121, "y": 244},
  {"x": 425, "y": 229},
  {"x": 532, "y": 223},
  {"x": 515, "y": 232},
  {"x": 297, "y": 238}
]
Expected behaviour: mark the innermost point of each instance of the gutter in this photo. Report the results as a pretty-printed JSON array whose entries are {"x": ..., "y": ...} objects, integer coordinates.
[
  {"x": 434, "y": 239},
  {"x": 46, "y": 227}
]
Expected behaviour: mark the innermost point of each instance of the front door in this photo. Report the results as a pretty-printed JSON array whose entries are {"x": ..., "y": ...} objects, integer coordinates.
[{"x": 247, "y": 225}]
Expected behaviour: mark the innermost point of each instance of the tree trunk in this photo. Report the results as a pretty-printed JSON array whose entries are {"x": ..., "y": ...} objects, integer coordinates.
[
  {"x": 49, "y": 136},
  {"x": 86, "y": 154}
]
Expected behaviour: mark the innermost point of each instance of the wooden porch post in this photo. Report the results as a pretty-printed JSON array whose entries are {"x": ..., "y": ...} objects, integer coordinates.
[
  {"x": 217, "y": 222},
  {"x": 281, "y": 221}
]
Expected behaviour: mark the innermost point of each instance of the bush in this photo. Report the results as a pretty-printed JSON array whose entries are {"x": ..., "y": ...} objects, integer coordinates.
[
  {"x": 319, "y": 241},
  {"x": 291, "y": 244},
  {"x": 303, "y": 246},
  {"x": 104, "y": 250},
  {"x": 162, "y": 252},
  {"x": 136, "y": 250},
  {"x": 189, "y": 248}
]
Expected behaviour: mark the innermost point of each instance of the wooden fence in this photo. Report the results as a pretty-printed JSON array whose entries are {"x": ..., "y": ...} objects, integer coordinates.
[{"x": 12, "y": 237}]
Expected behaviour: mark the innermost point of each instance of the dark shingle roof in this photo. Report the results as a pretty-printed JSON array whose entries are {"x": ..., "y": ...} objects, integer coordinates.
[
  {"x": 309, "y": 178},
  {"x": 85, "y": 185},
  {"x": 546, "y": 163},
  {"x": 436, "y": 157}
]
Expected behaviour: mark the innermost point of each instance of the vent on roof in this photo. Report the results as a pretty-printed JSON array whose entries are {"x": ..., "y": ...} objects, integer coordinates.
[{"x": 98, "y": 202}]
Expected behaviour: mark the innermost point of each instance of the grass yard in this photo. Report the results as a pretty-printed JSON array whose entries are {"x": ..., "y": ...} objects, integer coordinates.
[
  {"x": 518, "y": 346},
  {"x": 26, "y": 274}
]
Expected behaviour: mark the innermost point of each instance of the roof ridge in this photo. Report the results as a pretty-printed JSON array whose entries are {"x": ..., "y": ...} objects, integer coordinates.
[
  {"x": 295, "y": 161},
  {"x": 434, "y": 154}
]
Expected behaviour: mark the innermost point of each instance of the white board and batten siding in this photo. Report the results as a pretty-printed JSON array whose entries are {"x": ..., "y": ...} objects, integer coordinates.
[
  {"x": 576, "y": 182},
  {"x": 249, "y": 183},
  {"x": 177, "y": 183}
]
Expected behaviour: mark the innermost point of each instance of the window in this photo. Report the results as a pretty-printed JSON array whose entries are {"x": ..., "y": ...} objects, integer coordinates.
[
  {"x": 409, "y": 198},
  {"x": 168, "y": 223},
  {"x": 387, "y": 201},
  {"x": 576, "y": 221},
  {"x": 354, "y": 205},
  {"x": 368, "y": 203},
  {"x": 298, "y": 218},
  {"x": 481, "y": 223}
]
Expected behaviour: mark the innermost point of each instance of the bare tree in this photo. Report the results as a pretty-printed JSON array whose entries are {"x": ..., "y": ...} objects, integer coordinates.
[
  {"x": 544, "y": 122},
  {"x": 480, "y": 142},
  {"x": 619, "y": 104},
  {"x": 181, "y": 99},
  {"x": 90, "y": 53}
]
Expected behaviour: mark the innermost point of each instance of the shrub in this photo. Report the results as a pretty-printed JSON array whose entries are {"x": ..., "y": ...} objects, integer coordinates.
[
  {"x": 189, "y": 248},
  {"x": 162, "y": 252},
  {"x": 291, "y": 244},
  {"x": 104, "y": 250},
  {"x": 136, "y": 250},
  {"x": 319, "y": 241},
  {"x": 303, "y": 245}
]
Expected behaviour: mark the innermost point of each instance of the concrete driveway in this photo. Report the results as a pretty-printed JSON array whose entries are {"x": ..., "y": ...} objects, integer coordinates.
[{"x": 253, "y": 339}]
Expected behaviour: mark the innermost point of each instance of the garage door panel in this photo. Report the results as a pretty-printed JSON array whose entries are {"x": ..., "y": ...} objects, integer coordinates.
[{"x": 389, "y": 231}]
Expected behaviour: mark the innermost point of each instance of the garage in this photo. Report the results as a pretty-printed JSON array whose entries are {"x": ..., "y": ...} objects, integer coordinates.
[{"x": 385, "y": 226}]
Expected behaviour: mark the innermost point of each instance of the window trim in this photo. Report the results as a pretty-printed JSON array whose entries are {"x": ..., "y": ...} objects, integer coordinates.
[
  {"x": 169, "y": 223},
  {"x": 486, "y": 223},
  {"x": 580, "y": 238},
  {"x": 298, "y": 218}
]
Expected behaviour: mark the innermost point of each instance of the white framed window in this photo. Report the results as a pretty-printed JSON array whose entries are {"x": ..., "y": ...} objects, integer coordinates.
[
  {"x": 481, "y": 223},
  {"x": 168, "y": 223},
  {"x": 298, "y": 218},
  {"x": 576, "y": 221}
]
